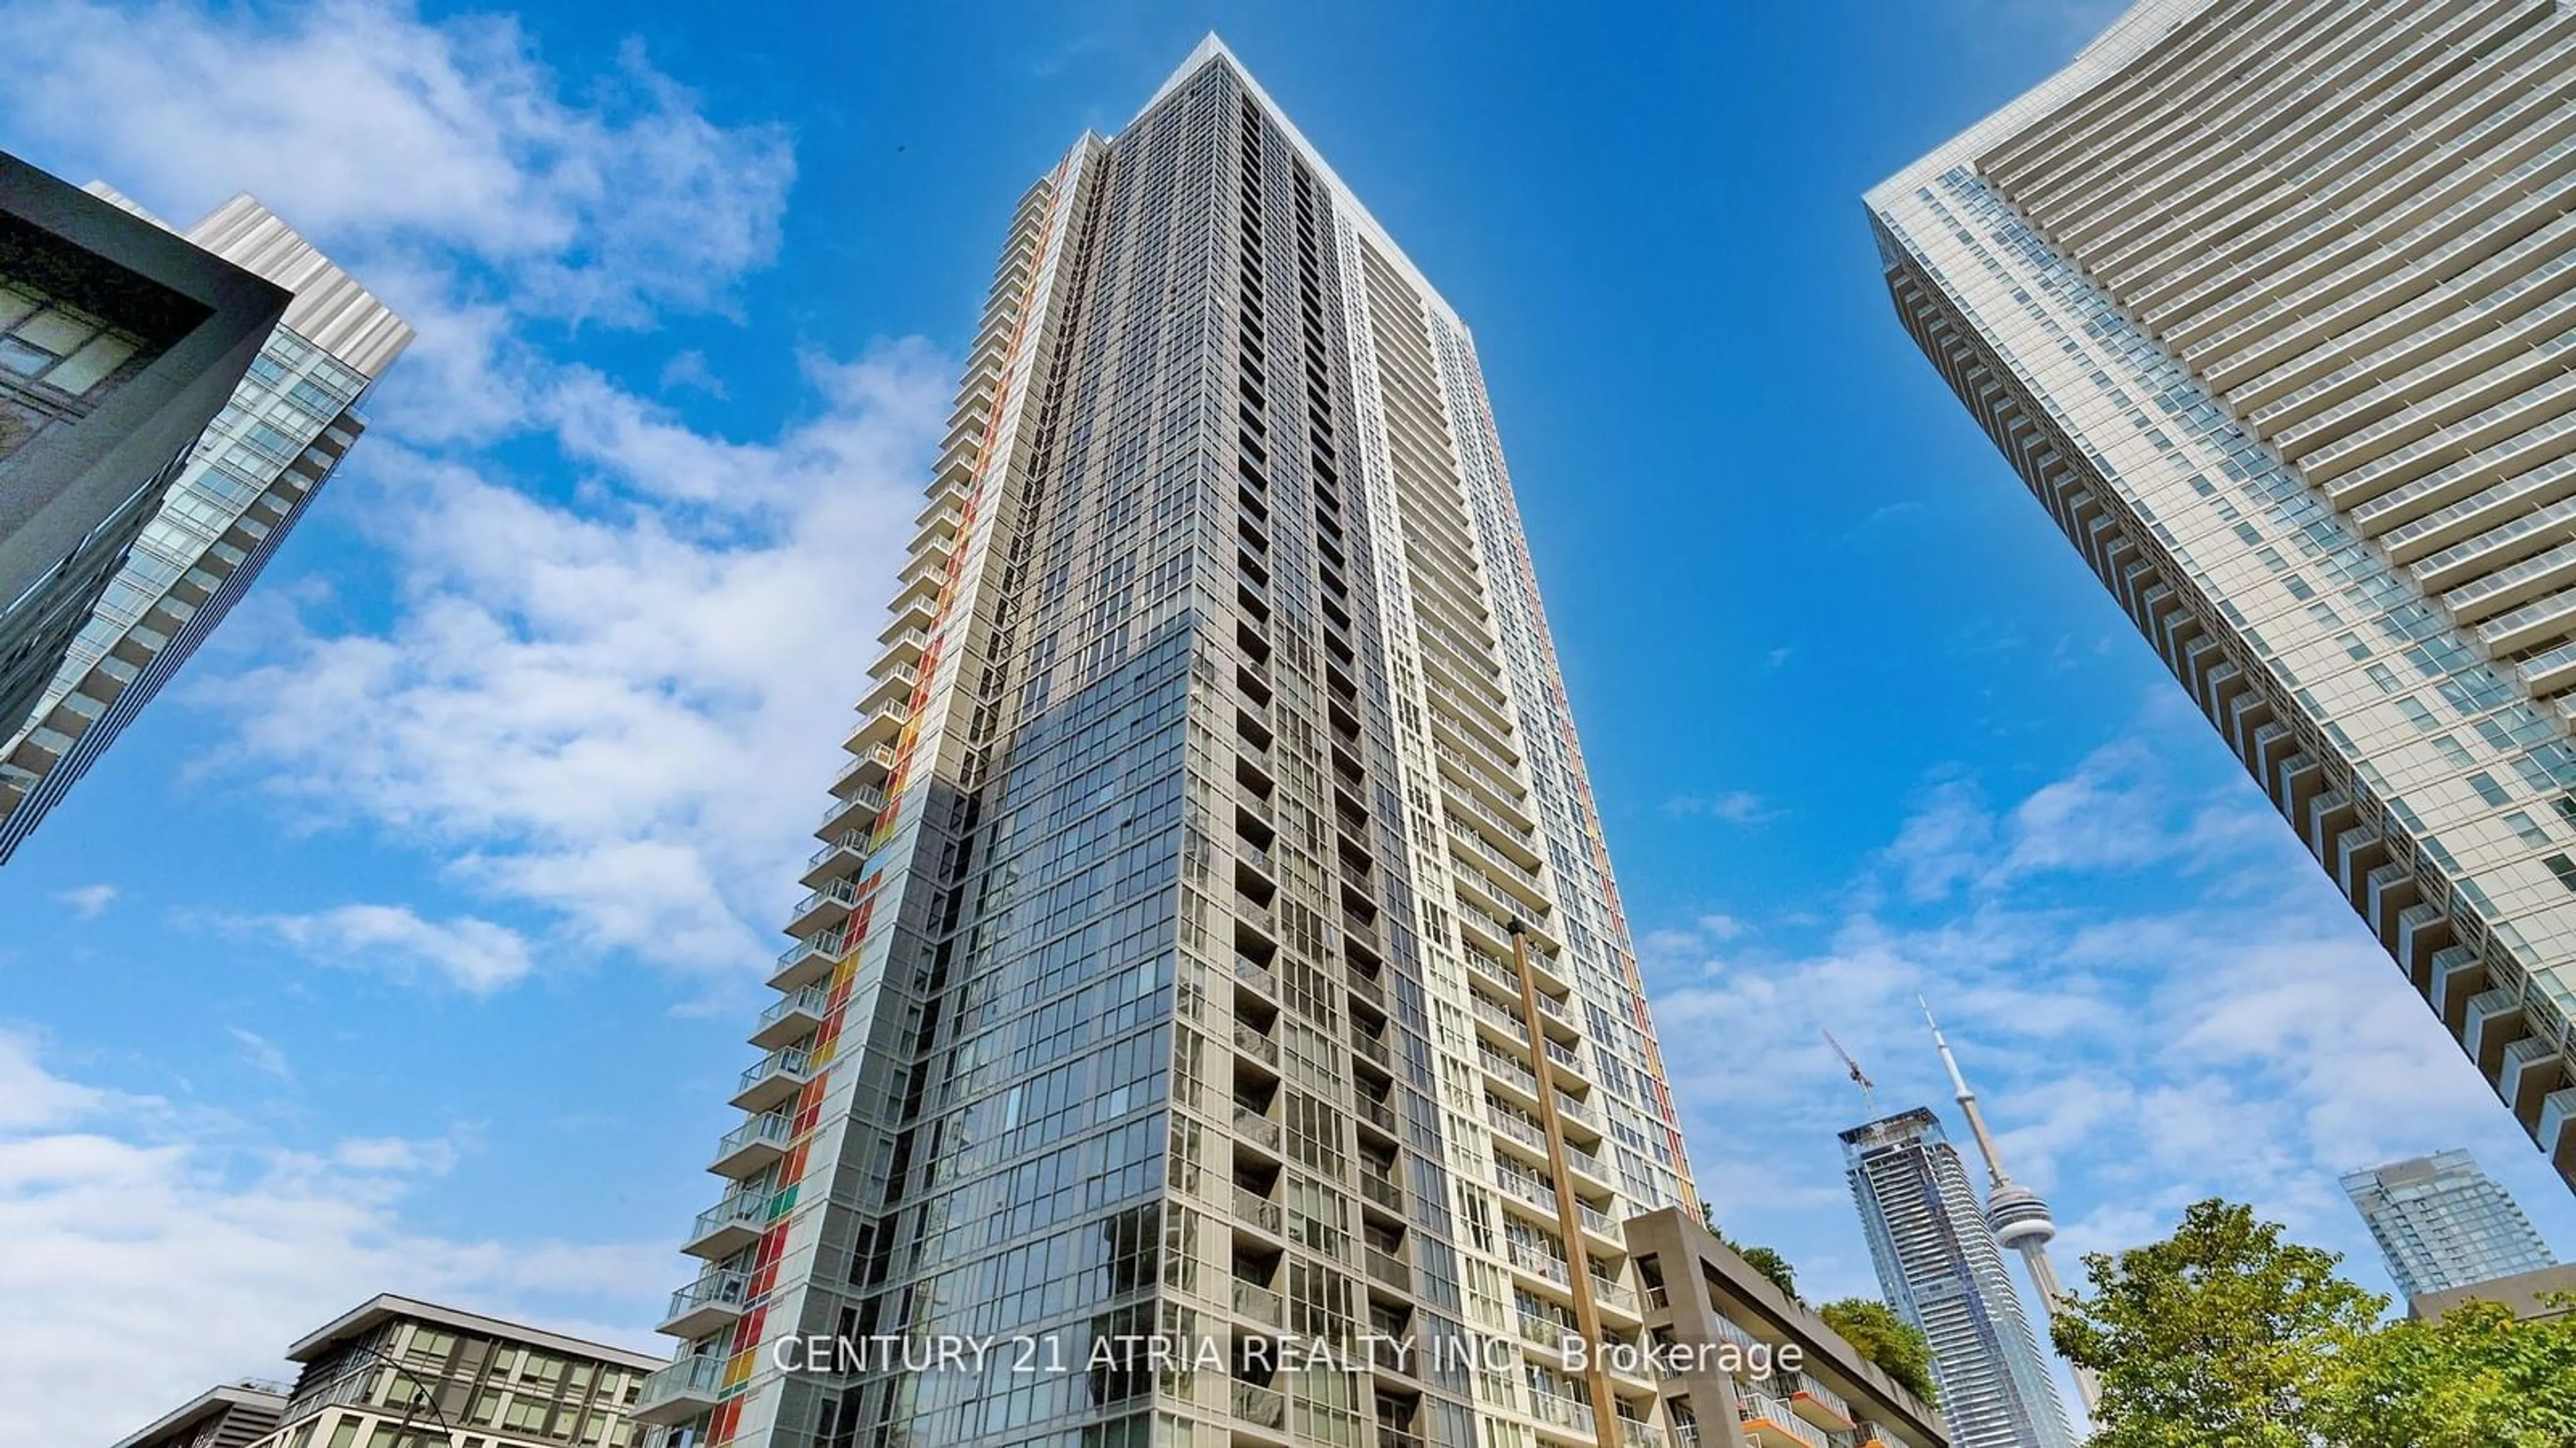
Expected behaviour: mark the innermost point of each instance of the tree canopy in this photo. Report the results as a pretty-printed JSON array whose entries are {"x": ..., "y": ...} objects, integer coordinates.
[
  {"x": 2226, "y": 1335},
  {"x": 1886, "y": 1339}
]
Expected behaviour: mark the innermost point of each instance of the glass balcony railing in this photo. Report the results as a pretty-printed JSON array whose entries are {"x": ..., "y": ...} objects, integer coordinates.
[
  {"x": 695, "y": 1377},
  {"x": 723, "y": 1289},
  {"x": 746, "y": 1209}
]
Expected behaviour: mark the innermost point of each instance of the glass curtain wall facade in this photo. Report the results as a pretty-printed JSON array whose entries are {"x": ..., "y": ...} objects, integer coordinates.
[
  {"x": 231, "y": 502},
  {"x": 2269, "y": 303},
  {"x": 1211, "y": 937},
  {"x": 2442, "y": 1223},
  {"x": 1940, "y": 1267}
]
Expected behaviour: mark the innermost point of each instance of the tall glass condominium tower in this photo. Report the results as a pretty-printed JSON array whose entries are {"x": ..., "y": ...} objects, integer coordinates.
[
  {"x": 1940, "y": 1267},
  {"x": 2442, "y": 1223},
  {"x": 2270, "y": 302},
  {"x": 252, "y": 473},
  {"x": 1212, "y": 935}
]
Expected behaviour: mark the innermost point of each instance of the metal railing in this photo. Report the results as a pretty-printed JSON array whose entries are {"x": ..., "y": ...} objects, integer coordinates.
[
  {"x": 791, "y": 1062},
  {"x": 747, "y": 1208},
  {"x": 726, "y": 1287},
  {"x": 810, "y": 1000},
  {"x": 689, "y": 1377},
  {"x": 773, "y": 1127}
]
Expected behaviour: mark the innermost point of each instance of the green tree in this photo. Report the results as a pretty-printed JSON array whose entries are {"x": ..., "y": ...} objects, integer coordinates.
[
  {"x": 1886, "y": 1339},
  {"x": 2475, "y": 1379},
  {"x": 1774, "y": 1266},
  {"x": 2221, "y": 1336}
]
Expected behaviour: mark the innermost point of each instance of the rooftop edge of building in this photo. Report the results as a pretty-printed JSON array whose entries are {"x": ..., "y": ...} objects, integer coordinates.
[
  {"x": 2140, "y": 26},
  {"x": 247, "y": 1393},
  {"x": 387, "y": 1306},
  {"x": 1212, "y": 50}
]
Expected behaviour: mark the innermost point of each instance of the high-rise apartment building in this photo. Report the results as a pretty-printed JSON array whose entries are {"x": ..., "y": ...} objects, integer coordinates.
[
  {"x": 2442, "y": 1223},
  {"x": 251, "y": 474},
  {"x": 118, "y": 343},
  {"x": 2268, "y": 302},
  {"x": 1212, "y": 938},
  {"x": 1942, "y": 1270},
  {"x": 2019, "y": 1216}
]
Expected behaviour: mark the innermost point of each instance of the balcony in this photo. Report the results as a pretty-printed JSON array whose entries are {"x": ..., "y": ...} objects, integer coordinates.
[
  {"x": 1616, "y": 1297},
  {"x": 1389, "y": 1269},
  {"x": 1258, "y": 1046},
  {"x": 830, "y": 904},
  {"x": 880, "y": 725},
  {"x": 1578, "y": 1113},
  {"x": 1571, "y": 1414},
  {"x": 1814, "y": 1402},
  {"x": 712, "y": 1301},
  {"x": 729, "y": 1226},
  {"x": 1593, "y": 1170},
  {"x": 753, "y": 1145},
  {"x": 792, "y": 1019},
  {"x": 1528, "y": 1189},
  {"x": 1372, "y": 1048},
  {"x": 1599, "y": 1223},
  {"x": 774, "y": 1080},
  {"x": 874, "y": 767},
  {"x": 1256, "y": 975},
  {"x": 906, "y": 646},
  {"x": 1256, "y": 1129},
  {"x": 1260, "y": 1407},
  {"x": 1509, "y": 1072},
  {"x": 857, "y": 810},
  {"x": 1257, "y": 923},
  {"x": 1258, "y": 1303},
  {"x": 1547, "y": 1333},
  {"x": 684, "y": 1390},
  {"x": 1538, "y": 1262},
  {"x": 1256, "y": 1210},
  {"x": 1748, "y": 1348},
  {"x": 1633, "y": 1434},
  {"x": 1377, "y": 1114},
  {"x": 1515, "y": 1126},
  {"x": 809, "y": 960},
  {"x": 1382, "y": 1191},
  {"x": 1768, "y": 1423},
  {"x": 839, "y": 856},
  {"x": 894, "y": 685}
]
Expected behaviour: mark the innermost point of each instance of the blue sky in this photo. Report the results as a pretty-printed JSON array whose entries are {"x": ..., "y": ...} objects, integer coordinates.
[{"x": 409, "y": 943}]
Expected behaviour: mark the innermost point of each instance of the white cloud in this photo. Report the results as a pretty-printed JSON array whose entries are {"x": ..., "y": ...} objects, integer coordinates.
[
  {"x": 114, "y": 1204},
  {"x": 473, "y": 954},
  {"x": 600, "y": 711},
  {"x": 397, "y": 136},
  {"x": 1734, "y": 806},
  {"x": 262, "y": 1053},
  {"x": 605, "y": 655},
  {"x": 2240, "y": 1034},
  {"x": 89, "y": 901},
  {"x": 435, "y": 1157}
]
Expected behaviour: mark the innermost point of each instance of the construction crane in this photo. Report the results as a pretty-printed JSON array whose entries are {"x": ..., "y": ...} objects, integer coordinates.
[{"x": 1868, "y": 1088}]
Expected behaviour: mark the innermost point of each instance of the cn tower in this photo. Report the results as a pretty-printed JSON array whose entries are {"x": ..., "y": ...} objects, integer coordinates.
[{"x": 2019, "y": 1218}]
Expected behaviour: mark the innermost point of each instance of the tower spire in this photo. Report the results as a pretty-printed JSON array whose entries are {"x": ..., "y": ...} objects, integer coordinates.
[{"x": 2020, "y": 1219}]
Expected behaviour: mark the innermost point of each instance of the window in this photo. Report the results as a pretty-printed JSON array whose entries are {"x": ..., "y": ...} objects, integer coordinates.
[
  {"x": 2488, "y": 790},
  {"x": 2452, "y": 752},
  {"x": 2563, "y": 868},
  {"x": 2527, "y": 828},
  {"x": 2380, "y": 675}
]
